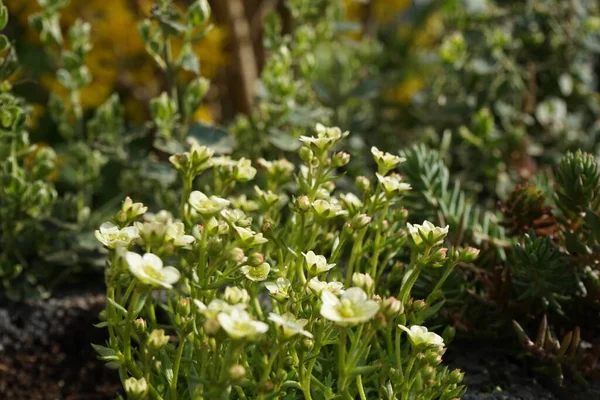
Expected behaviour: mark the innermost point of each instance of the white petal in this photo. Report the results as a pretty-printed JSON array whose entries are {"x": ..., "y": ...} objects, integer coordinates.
[
  {"x": 170, "y": 275},
  {"x": 134, "y": 261},
  {"x": 355, "y": 295},
  {"x": 153, "y": 261}
]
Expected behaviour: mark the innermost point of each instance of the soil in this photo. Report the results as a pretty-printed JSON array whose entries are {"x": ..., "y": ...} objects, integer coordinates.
[
  {"x": 45, "y": 351},
  {"x": 45, "y": 354},
  {"x": 493, "y": 372}
]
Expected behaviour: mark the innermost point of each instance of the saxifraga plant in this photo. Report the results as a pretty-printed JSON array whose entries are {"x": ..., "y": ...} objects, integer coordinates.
[{"x": 268, "y": 296}]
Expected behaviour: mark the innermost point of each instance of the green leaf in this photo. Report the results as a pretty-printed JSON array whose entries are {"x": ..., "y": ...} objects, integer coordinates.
[
  {"x": 105, "y": 353},
  {"x": 4, "y": 43},
  {"x": 117, "y": 306},
  {"x": 190, "y": 62},
  {"x": 216, "y": 138},
  {"x": 283, "y": 141},
  {"x": 3, "y": 16},
  {"x": 593, "y": 220}
]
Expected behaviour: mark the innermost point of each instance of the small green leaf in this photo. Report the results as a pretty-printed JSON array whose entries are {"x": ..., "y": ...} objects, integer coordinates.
[
  {"x": 216, "y": 138},
  {"x": 117, "y": 306},
  {"x": 3, "y": 16},
  {"x": 4, "y": 43},
  {"x": 283, "y": 141},
  {"x": 190, "y": 62}
]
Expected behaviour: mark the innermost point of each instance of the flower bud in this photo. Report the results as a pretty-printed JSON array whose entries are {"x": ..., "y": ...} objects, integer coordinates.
[
  {"x": 237, "y": 373},
  {"x": 468, "y": 255},
  {"x": 418, "y": 305},
  {"x": 236, "y": 255},
  {"x": 361, "y": 221},
  {"x": 340, "y": 159},
  {"x": 306, "y": 154},
  {"x": 140, "y": 325},
  {"x": 363, "y": 184},
  {"x": 135, "y": 388},
  {"x": 363, "y": 281},
  {"x": 256, "y": 259},
  {"x": 307, "y": 344},
  {"x": 303, "y": 203},
  {"x": 391, "y": 307},
  {"x": 439, "y": 255},
  {"x": 433, "y": 358},
  {"x": 157, "y": 339},
  {"x": 235, "y": 295},
  {"x": 198, "y": 13},
  {"x": 457, "y": 376},
  {"x": 183, "y": 307}
]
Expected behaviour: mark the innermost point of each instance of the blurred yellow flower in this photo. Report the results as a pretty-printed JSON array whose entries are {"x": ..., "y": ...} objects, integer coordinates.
[{"x": 118, "y": 60}]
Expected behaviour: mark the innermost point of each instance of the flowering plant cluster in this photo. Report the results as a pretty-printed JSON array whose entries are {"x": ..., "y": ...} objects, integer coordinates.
[{"x": 292, "y": 289}]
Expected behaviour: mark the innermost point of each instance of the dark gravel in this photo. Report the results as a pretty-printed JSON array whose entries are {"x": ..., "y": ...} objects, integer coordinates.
[
  {"x": 492, "y": 373},
  {"x": 45, "y": 351}
]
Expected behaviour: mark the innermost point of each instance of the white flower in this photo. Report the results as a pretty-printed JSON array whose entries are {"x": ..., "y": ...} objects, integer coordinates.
[
  {"x": 385, "y": 161},
  {"x": 290, "y": 325},
  {"x": 420, "y": 336},
  {"x": 258, "y": 273},
  {"x": 317, "y": 264},
  {"x": 112, "y": 237},
  {"x": 150, "y": 271},
  {"x": 239, "y": 324},
  {"x": 244, "y": 171},
  {"x": 428, "y": 233},
  {"x": 207, "y": 205},
  {"x": 326, "y": 209},
  {"x": 317, "y": 286},
  {"x": 176, "y": 234},
  {"x": 163, "y": 216},
  {"x": 216, "y": 307},
  {"x": 351, "y": 308},
  {"x": 250, "y": 238},
  {"x": 333, "y": 133},
  {"x": 316, "y": 143},
  {"x": 279, "y": 289},
  {"x": 352, "y": 202},
  {"x": 393, "y": 184}
]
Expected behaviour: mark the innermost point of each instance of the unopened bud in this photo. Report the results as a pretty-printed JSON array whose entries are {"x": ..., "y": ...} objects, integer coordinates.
[
  {"x": 469, "y": 254},
  {"x": 363, "y": 184},
  {"x": 157, "y": 339},
  {"x": 135, "y": 388},
  {"x": 237, "y": 373}
]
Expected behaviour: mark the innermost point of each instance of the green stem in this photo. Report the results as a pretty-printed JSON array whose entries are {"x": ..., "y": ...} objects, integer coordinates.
[
  {"x": 361, "y": 389},
  {"x": 176, "y": 366}
]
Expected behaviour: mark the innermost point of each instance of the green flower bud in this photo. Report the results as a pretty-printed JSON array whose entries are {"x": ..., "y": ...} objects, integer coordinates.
[
  {"x": 363, "y": 184},
  {"x": 236, "y": 255},
  {"x": 237, "y": 373},
  {"x": 135, "y": 388},
  {"x": 183, "y": 307},
  {"x": 198, "y": 13},
  {"x": 340, "y": 159},
  {"x": 457, "y": 376},
  {"x": 303, "y": 203},
  {"x": 157, "y": 340},
  {"x": 235, "y": 295},
  {"x": 361, "y": 221},
  {"x": 306, "y": 154},
  {"x": 140, "y": 325},
  {"x": 468, "y": 255},
  {"x": 391, "y": 307},
  {"x": 256, "y": 259}
]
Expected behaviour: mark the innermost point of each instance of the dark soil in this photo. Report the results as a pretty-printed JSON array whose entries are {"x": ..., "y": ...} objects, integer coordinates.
[
  {"x": 45, "y": 351},
  {"x": 493, "y": 373}
]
